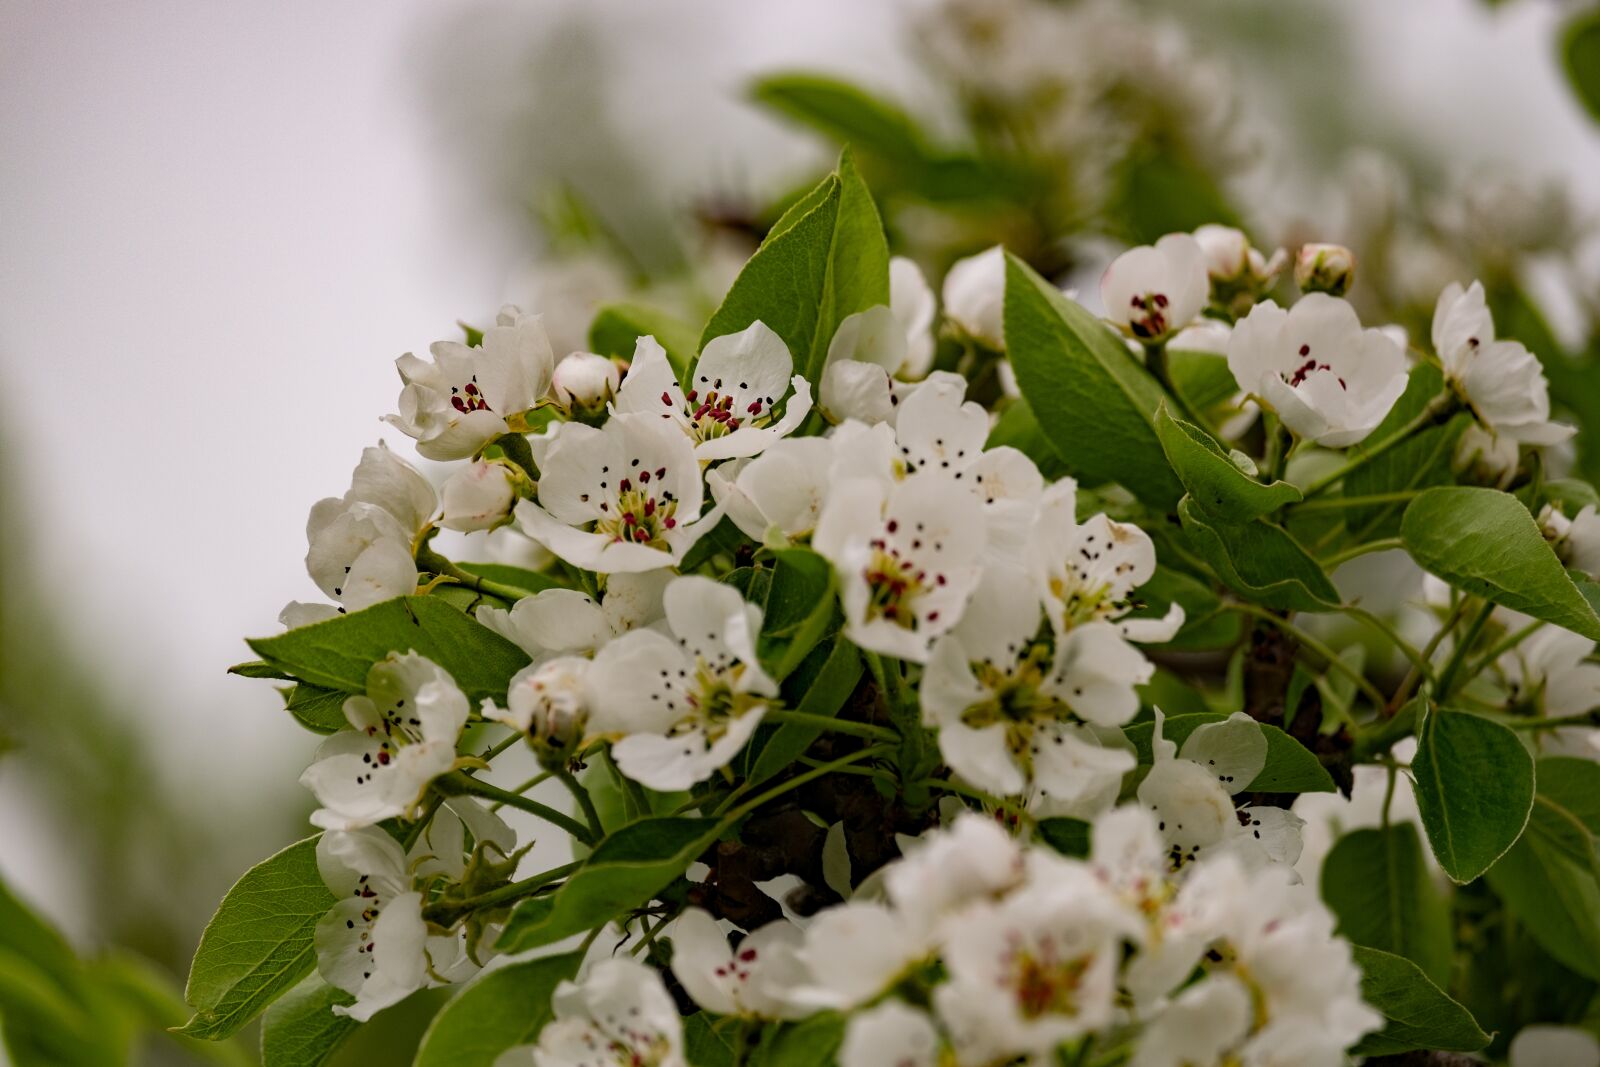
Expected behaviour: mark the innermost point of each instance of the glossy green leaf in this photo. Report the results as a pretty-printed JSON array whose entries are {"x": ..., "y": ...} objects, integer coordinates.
[
  {"x": 1417, "y": 1013},
  {"x": 1094, "y": 402},
  {"x": 1550, "y": 880},
  {"x": 1290, "y": 768},
  {"x": 625, "y": 871},
  {"x": 1201, "y": 378},
  {"x": 1580, "y": 58},
  {"x": 617, "y": 328},
  {"x": 813, "y": 271},
  {"x": 800, "y": 608},
  {"x": 338, "y": 653},
  {"x": 1070, "y": 837},
  {"x": 259, "y": 943},
  {"x": 301, "y": 1030},
  {"x": 1259, "y": 560},
  {"x": 1474, "y": 786},
  {"x": 820, "y": 686},
  {"x": 1486, "y": 543},
  {"x": 708, "y": 1041},
  {"x": 1017, "y": 428},
  {"x": 317, "y": 709},
  {"x": 1376, "y": 881},
  {"x": 498, "y": 1010},
  {"x": 1214, "y": 483},
  {"x": 807, "y": 1043}
]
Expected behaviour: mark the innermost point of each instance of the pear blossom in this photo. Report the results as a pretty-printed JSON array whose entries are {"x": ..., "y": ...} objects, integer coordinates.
[
  {"x": 1329, "y": 380},
  {"x": 876, "y": 355},
  {"x": 548, "y": 701},
  {"x": 1153, "y": 291},
  {"x": 1486, "y": 457},
  {"x": 852, "y": 954},
  {"x": 891, "y": 1034},
  {"x": 907, "y": 556},
  {"x": 1204, "y": 1022},
  {"x": 750, "y": 980},
  {"x": 972, "y": 859},
  {"x": 1501, "y": 381},
  {"x": 403, "y": 734},
  {"x": 620, "y": 1013},
  {"x": 975, "y": 296},
  {"x": 479, "y": 496},
  {"x": 1230, "y": 257},
  {"x": 685, "y": 703},
  {"x": 623, "y": 497},
  {"x": 584, "y": 383},
  {"x": 912, "y": 302},
  {"x": 1543, "y": 1045},
  {"x": 779, "y": 491},
  {"x": 1018, "y": 718},
  {"x": 1324, "y": 268},
  {"x": 566, "y": 620},
  {"x": 470, "y": 395},
  {"x": 733, "y": 394},
  {"x": 1552, "y": 671},
  {"x": 1576, "y": 540}
]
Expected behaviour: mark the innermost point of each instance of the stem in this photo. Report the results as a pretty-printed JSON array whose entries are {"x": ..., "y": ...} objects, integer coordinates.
[
  {"x": 1458, "y": 656},
  {"x": 1383, "y": 544},
  {"x": 512, "y": 891},
  {"x": 1409, "y": 682},
  {"x": 1369, "y": 500},
  {"x": 524, "y": 787},
  {"x": 1277, "y": 458},
  {"x": 430, "y": 560},
  {"x": 1438, "y": 410},
  {"x": 801, "y": 779},
  {"x": 585, "y": 802},
  {"x": 1388, "y": 793},
  {"x": 1589, "y": 719},
  {"x": 1418, "y": 662},
  {"x": 1502, "y": 646},
  {"x": 464, "y": 784},
  {"x": 838, "y": 726},
  {"x": 1317, "y": 646}
]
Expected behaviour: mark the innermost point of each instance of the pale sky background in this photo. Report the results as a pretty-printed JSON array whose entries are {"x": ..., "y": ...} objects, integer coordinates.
[{"x": 220, "y": 223}]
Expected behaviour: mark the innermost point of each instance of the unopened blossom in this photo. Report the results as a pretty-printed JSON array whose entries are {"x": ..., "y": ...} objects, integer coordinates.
[
  {"x": 890, "y": 1034},
  {"x": 1329, "y": 380},
  {"x": 1239, "y": 274},
  {"x": 403, "y": 733},
  {"x": 907, "y": 555},
  {"x": 876, "y": 354},
  {"x": 479, "y": 496},
  {"x": 730, "y": 409},
  {"x": 1501, "y": 381},
  {"x": 1018, "y": 718},
  {"x": 1576, "y": 540},
  {"x": 619, "y": 1013},
  {"x": 975, "y": 297},
  {"x": 584, "y": 383},
  {"x": 684, "y": 702},
  {"x": 548, "y": 701},
  {"x": 1485, "y": 457},
  {"x": 1153, "y": 291},
  {"x": 622, "y": 497},
  {"x": 469, "y": 395},
  {"x": 750, "y": 979},
  {"x": 567, "y": 620},
  {"x": 1324, "y": 268}
]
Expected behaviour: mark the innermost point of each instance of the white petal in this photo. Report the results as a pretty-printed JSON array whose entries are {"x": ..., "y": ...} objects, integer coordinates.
[
  {"x": 890, "y": 1035},
  {"x": 1233, "y": 751}
]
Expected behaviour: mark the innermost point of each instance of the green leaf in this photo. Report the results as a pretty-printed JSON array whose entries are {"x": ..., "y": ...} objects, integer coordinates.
[
  {"x": 1421, "y": 461},
  {"x": 704, "y": 1045},
  {"x": 317, "y": 709},
  {"x": 625, "y": 871},
  {"x": 530, "y": 582},
  {"x": 498, "y": 1010},
  {"x": 1206, "y": 624},
  {"x": 1419, "y": 1015},
  {"x": 1486, "y": 543},
  {"x": 1290, "y": 768},
  {"x": 1070, "y": 837},
  {"x": 1214, "y": 483},
  {"x": 1017, "y": 428},
  {"x": 258, "y": 944},
  {"x": 807, "y": 1043},
  {"x": 301, "y": 1030},
  {"x": 1259, "y": 560},
  {"x": 1550, "y": 879},
  {"x": 1574, "y": 784},
  {"x": 1474, "y": 790},
  {"x": 1094, "y": 402},
  {"x": 1376, "y": 882},
  {"x": 1201, "y": 378},
  {"x": 258, "y": 669},
  {"x": 338, "y": 653},
  {"x": 800, "y": 606},
  {"x": 617, "y": 328},
  {"x": 813, "y": 271},
  {"x": 825, "y": 681},
  {"x": 1161, "y": 192},
  {"x": 844, "y": 113},
  {"x": 1580, "y": 57}
]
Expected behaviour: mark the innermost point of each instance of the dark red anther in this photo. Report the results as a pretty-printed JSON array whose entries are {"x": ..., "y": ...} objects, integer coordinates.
[
  {"x": 669, "y": 522},
  {"x": 666, "y": 398}
]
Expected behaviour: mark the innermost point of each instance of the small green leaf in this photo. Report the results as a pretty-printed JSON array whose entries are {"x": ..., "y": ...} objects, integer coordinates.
[
  {"x": 1070, "y": 837},
  {"x": 617, "y": 328},
  {"x": 259, "y": 943},
  {"x": 498, "y": 1010},
  {"x": 708, "y": 1041},
  {"x": 1580, "y": 57},
  {"x": 820, "y": 686},
  {"x": 1418, "y": 463},
  {"x": 624, "y": 872},
  {"x": 814, "y": 270},
  {"x": 1376, "y": 882},
  {"x": 1474, "y": 790},
  {"x": 258, "y": 669},
  {"x": 800, "y": 607},
  {"x": 1206, "y": 623},
  {"x": 1161, "y": 191},
  {"x": 530, "y": 582},
  {"x": 1290, "y": 768},
  {"x": 1259, "y": 560},
  {"x": 301, "y": 1030},
  {"x": 317, "y": 709},
  {"x": 1094, "y": 402},
  {"x": 1486, "y": 543},
  {"x": 1574, "y": 784},
  {"x": 338, "y": 653},
  {"x": 1550, "y": 879},
  {"x": 807, "y": 1043},
  {"x": 1215, "y": 484},
  {"x": 1419, "y": 1015}
]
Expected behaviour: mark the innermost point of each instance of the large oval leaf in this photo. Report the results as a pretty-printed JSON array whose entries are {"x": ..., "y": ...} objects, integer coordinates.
[
  {"x": 259, "y": 943},
  {"x": 301, "y": 1030},
  {"x": 1259, "y": 560},
  {"x": 498, "y": 1010},
  {"x": 1376, "y": 882},
  {"x": 1290, "y": 768},
  {"x": 625, "y": 871},
  {"x": 1417, "y": 1013},
  {"x": 1474, "y": 790},
  {"x": 1092, "y": 399},
  {"x": 1485, "y": 542},
  {"x": 1214, "y": 482}
]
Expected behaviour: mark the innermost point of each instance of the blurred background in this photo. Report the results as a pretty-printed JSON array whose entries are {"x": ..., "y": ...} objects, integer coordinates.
[{"x": 220, "y": 223}]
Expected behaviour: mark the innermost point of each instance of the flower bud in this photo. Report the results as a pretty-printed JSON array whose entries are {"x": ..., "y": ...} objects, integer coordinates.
[
  {"x": 1227, "y": 251},
  {"x": 1239, "y": 274},
  {"x": 546, "y": 701},
  {"x": 975, "y": 296},
  {"x": 585, "y": 382},
  {"x": 1321, "y": 268},
  {"x": 1486, "y": 458},
  {"x": 478, "y": 497}
]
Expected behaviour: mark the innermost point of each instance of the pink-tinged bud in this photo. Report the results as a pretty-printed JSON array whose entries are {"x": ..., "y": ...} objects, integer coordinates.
[
  {"x": 1322, "y": 268},
  {"x": 585, "y": 382},
  {"x": 478, "y": 497}
]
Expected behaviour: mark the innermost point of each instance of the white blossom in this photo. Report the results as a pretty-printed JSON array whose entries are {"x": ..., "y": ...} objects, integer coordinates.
[
  {"x": 1576, "y": 540},
  {"x": 1329, "y": 380},
  {"x": 751, "y": 979},
  {"x": 975, "y": 296},
  {"x": 584, "y": 383},
  {"x": 1231, "y": 259},
  {"x": 1324, "y": 268},
  {"x": 1501, "y": 381},
  {"x": 478, "y": 496},
  {"x": 1153, "y": 291},
  {"x": 1543, "y": 1045},
  {"x": 1551, "y": 670},
  {"x": 852, "y": 953},
  {"x": 619, "y": 1015},
  {"x": 685, "y": 704},
  {"x": 1487, "y": 457},
  {"x": 972, "y": 859},
  {"x": 779, "y": 491},
  {"x": 890, "y": 1034},
  {"x": 464, "y": 399},
  {"x": 566, "y": 620},
  {"x": 912, "y": 302}
]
